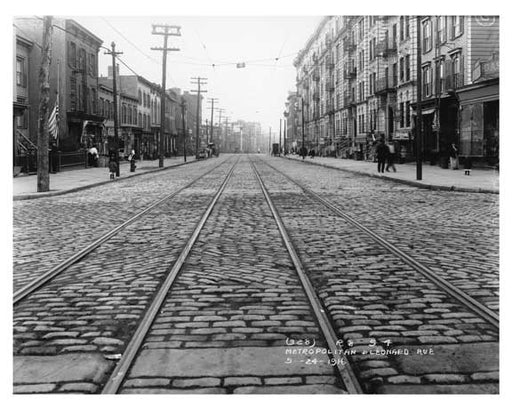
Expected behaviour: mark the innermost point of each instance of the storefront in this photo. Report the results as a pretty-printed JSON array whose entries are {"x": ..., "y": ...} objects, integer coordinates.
[{"x": 479, "y": 121}]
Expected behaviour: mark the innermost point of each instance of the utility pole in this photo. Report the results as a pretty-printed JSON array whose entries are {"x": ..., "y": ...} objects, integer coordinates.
[
  {"x": 418, "y": 98},
  {"x": 199, "y": 81},
  {"x": 220, "y": 110},
  {"x": 185, "y": 133},
  {"x": 270, "y": 140},
  {"x": 302, "y": 113},
  {"x": 167, "y": 31},
  {"x": 284, "y": 136},
  {"x": 280, "y": 122},
  {"x": 226, "y": 119},
  {"x": 115, "y": 147},
  {"x": 212, "y": 101},
  {"x": 43, "y": 176}
]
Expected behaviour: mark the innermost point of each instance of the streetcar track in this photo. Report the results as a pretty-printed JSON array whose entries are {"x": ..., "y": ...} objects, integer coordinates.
[
  {"x": 343, "y": 367},
  {"x": 40, "y": 281},
  {"x": 117, "y": 377},
  {"x": 462, "y": 297}
]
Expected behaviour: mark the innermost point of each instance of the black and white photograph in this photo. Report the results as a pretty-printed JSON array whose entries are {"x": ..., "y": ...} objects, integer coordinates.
[{"x": 272, "y": 203}]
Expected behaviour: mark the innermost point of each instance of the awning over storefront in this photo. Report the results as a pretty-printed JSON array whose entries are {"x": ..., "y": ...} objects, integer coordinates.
[
  {"x": 479, "y": 92},
  {"x": 425, "y": 111}
]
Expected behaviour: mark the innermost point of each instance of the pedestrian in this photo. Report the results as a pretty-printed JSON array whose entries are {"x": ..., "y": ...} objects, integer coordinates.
[
  {"x": 391, "y": 155},
  {"x": 382, "y": 153},
  {"x": 112, "y": 166},
  {"x": 312, "y": 153},
  {"x": 93, "y": 156},
  {"x": 468, "y": 164},
  {"x": 454, "y": 157},
  {"x": 131, "y": 158}
]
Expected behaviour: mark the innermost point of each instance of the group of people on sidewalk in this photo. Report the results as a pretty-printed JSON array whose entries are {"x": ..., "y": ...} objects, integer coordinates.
[
  {"x": 386, "y": 155},
  {"x": 113, "y": 164}
]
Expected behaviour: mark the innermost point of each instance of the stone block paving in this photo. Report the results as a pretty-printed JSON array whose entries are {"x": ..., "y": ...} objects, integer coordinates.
[
  {"x": 455, "y": 234},
  {"x": 46, "y": 231},
  {"x": 94, "y": 306},
  {"x": 238, "y": 290},
  {"x": 372, "y": 296}
]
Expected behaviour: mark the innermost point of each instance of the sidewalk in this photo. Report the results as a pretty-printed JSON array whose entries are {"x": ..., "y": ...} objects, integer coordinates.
[
  {"x": 433, "y": 176},
  {"x": 25, "y": 187}
]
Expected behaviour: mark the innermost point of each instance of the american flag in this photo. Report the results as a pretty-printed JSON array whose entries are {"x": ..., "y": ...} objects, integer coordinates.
[{"x": 53, "y": 121}]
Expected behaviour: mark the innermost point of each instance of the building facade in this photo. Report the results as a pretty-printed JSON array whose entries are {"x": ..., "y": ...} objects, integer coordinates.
[
  {"x": 24, "y": 147},
  {"x": 357, "y": 82}
]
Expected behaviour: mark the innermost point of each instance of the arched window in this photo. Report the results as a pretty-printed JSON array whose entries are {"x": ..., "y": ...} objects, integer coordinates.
[{"x": 140, "y": 120}]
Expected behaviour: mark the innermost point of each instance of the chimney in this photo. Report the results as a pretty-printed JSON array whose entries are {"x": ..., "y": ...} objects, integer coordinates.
[{"x": 110, "y": 72}]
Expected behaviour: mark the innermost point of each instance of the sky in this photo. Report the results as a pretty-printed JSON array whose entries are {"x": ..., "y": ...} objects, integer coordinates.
[{"x": 211, "y": 47}]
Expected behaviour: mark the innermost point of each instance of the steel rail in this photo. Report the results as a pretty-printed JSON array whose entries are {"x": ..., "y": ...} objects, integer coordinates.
[
  {"x": 462, "y": 297},
  {"x": 117, "y": 377},
  {"x": 31, "y": 287},
  {"x": 343, "y": 367}
]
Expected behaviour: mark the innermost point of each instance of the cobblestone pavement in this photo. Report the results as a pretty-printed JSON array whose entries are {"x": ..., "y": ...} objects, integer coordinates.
[
  {"x": 371, "y": 294},
  {"x": 238, "y": 292},
  {"x": 455, "y": 234},
  {"x": 93, "y": 307},
  {"x": 46, "y": 231},
  {"x": 227, "y": 323}
]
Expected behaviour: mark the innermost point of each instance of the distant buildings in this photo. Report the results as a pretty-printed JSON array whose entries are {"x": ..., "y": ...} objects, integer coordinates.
[
  {"x": 356, "y": 77},
  {"x": 86, "y": 100}
]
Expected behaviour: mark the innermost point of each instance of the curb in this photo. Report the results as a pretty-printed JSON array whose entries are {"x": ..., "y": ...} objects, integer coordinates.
[
  {"x": 416, "y": 184},
  {"x": 23, "y": 197}
]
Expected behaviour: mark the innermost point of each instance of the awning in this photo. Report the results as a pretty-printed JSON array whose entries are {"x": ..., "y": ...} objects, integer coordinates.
[{"x": 426, "y": 111}]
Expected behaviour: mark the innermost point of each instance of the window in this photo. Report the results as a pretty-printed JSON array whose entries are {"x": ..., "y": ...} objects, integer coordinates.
[
  {"x": 92, "y": 64},
  {"x": 393, "y": 44},
  {"x": 372, "y": 48},
  {"x": 72, "y": 54},
  {"x": 22, "y": 120},
  {"x": 361, "y": 61},
  {"x": 441, "y": 30},
  {"x": 73, "y": 93},
  {"x": 139, "y": 123},
  {"x": 407, "y": 29},
  {"x": 402, "y": 28},
  {"x": 140, "y": 97},
  {"x": 361, "y": 30},
  {"x": 395, "y": 74},
  {"x": 457, "y": 26},
  {"x": 21, "y": 76},
  {"x": 440, "y": 76},
  {"x": 408, "y": 114},
  {"x": 427, "y": 81},
  {"x": 402, "y": 69},
  {"x": 402, "y": 115},
  {"x": 407, "y": 68},
  {"x": 82, "y": 60},
  {"x": 93, "y": 101},
  {"x": 361, "y": 91},
  {"x": 427, "y": 36},
  {"x": 373, "y": 77}
]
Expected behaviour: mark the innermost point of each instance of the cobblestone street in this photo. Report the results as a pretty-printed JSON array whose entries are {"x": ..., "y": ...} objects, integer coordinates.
[{"x": 236, "y": 318}]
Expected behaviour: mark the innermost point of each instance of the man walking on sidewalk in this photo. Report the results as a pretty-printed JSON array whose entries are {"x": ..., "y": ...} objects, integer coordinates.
[
  {"x": 382, "y": 153},
  {"x": 391, "y": 155}
]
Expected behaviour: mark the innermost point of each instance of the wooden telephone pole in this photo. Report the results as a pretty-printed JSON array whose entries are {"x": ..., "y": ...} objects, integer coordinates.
[
  {"x": 212, "y": 101},
  {"x": 199, "y": 81},
  {"x": 220, "y": 110},
  {"x": 167, "y": 31},
  {"x": 115, "y": 146},
  {"x": 185, "y": 132},
  {"x": 43, "y": 176}
]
